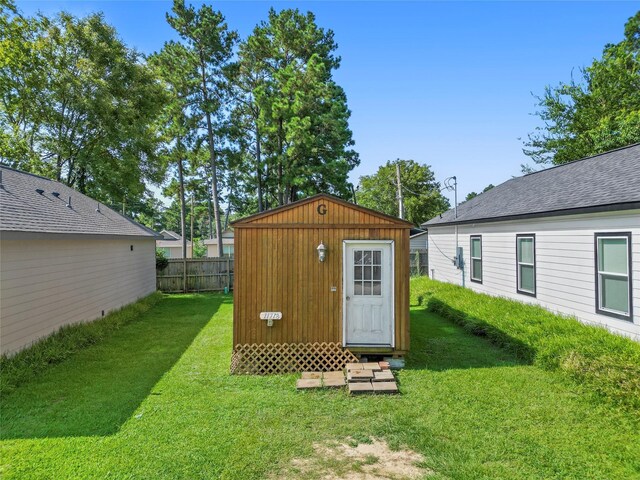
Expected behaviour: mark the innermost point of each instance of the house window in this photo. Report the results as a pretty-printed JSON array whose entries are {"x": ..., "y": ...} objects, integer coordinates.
[
  {"x": 227, "y": 250},
  {"x": 526, "y": 264},
  {"x": 613, "y": 279},
  {"x": 367, "y": 272},
  {"x": 476, "y": 258}
]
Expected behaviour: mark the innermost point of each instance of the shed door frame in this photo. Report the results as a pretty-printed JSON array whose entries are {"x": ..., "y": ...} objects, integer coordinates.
[{"x": 345, "y": 266}]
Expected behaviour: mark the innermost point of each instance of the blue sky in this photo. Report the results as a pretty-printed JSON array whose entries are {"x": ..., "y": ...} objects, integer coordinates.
[{"x": 444, "y": 83}]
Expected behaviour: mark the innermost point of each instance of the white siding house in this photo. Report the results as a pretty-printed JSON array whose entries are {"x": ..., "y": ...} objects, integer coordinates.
[
  {"x": 566, "y": 238},
  {"x": 64, "y": 259},
  {"x": 227, "y": 244},
  {"x": 171, "y": 245}
]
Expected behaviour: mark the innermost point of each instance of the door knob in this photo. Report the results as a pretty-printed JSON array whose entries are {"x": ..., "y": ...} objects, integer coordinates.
[{"x": 348, "y": 297}]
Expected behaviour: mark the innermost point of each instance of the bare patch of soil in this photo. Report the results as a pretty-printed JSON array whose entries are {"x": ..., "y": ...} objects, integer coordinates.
[{"x": 357, "y": 461}]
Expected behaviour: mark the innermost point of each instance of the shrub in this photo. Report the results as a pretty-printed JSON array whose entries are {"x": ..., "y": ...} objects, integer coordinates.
[
  {"x": 161, "y": 260},
  {"x": 199, "y": 248},
  {"x": 605, "y": 363},
  {"x": 60, "y": 345}
]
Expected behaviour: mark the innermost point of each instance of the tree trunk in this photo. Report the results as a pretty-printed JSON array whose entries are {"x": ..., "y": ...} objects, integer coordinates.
[
  {"x": 214, "y": 188},
  {"x": 280, "y": 161},
  {"x": 182, "y": 222},
  {"x": 82, "y": 180},
  {"x": 191, "y": 232},
  {"x": 59, "y": 168},
  {"x": 267, "y": 190},
  {"x": 209, "y": 213},
  {"x": 259, "y": 170},
  {"x": 212, "y": 158},
  {"x": 226, "y": 218}
]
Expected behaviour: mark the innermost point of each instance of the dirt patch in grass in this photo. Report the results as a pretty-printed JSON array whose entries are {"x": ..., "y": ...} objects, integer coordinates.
[{"x": 372, "y": 460}]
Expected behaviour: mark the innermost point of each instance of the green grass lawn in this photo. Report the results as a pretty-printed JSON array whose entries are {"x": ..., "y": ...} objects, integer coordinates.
[{"x": 155, "y": 400}]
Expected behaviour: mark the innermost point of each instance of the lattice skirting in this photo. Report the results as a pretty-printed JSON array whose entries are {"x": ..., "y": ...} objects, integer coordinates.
[{"x": 265, "y": 359}]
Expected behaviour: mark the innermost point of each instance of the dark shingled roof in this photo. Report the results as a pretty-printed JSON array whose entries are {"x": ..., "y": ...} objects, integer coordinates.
[
  {"x": 609, "y": 181},
  {"x": 24, "y": 209}
]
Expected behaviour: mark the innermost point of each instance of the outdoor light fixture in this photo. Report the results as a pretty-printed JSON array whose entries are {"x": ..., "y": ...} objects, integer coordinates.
[{"x": 322, "y": 252}]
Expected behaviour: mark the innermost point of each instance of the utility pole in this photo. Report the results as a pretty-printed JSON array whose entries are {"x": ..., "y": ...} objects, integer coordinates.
[
  {"x": 455, "y": 195},
  {"x": 400, "y": 199},
  {"x": 192, "y": 225},
  {"x": 448, "y": 185}
]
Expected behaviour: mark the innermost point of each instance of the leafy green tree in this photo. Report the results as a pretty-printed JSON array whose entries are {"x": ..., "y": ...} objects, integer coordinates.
[
  {"x": 297, "y": 115},
  {"x": 471, "y": 195},
  {"x": 148, "y": 211},
  {"x": 199, "y": 248},
  {"x": 596, "y": 114},
  {"x": 177, "y": 123},
  {"x": 248, "y": 80},
  {"x": 421, "y": 193},
  {"x": 209, "y": 44},
  {"x": 20, "y": 81},
  {"x": 78, "y": 105}
]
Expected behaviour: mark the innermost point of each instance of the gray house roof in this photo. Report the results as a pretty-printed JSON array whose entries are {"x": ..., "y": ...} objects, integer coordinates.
[
  {"x": 28, "y": 203},
  {"x": 606, "y": 182},
  {"x": 170, "y": 235}
]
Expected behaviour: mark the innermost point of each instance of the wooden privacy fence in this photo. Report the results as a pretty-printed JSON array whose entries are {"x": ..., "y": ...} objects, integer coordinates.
[
  {"x": 418, "y": 263},
  {"x": 203, "y": 275}
]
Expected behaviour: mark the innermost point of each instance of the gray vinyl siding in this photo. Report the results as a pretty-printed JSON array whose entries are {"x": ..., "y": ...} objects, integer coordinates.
[
  {"x": 565, "y": 262},
  {"x": 418, "y": 242},
  {"x": 45, "y": 284}
]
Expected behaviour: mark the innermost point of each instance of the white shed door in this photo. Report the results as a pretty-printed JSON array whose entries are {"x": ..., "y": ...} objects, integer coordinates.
[{"x": 368, "y": 290}]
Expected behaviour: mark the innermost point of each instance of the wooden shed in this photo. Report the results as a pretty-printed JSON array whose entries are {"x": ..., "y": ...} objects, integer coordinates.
[{"x": 315, "y": 280}]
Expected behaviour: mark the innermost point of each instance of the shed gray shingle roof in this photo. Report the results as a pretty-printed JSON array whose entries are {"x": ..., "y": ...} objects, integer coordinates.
[
  {"x": 23, "y": 209},
  {"x": 611, "y": 179}
]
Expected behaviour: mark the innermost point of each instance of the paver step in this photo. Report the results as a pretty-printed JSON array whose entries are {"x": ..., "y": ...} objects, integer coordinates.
[
  {"x": 356, "y": 388},
  {"x": 359, "y": 379},
  {"x": 333, "y": 382},
  {"x": 385, "y": 387},
  {"x": 363, "y": 366},
  {"x": 308, "y": 383},
  {"x": 359, "y": 375},
  {"x": 311, "y": 380},
  {"x": 383, "y": 376},
  {"x": 328, "y": 375}
]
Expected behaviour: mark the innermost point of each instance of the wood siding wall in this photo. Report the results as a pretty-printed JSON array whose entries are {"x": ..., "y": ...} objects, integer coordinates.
[
  {"x": 45, "y": 284},
  {"x": 565, "y": 262},
  {"x": 277, "y": 269}
]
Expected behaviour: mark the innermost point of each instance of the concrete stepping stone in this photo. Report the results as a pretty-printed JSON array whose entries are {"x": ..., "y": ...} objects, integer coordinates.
[
  {"x": 383, "y": 376},
  {"x": 371, "y": 366},
  {"x": 308, "y": 383},
  {"x": 311, "y": 375},
  {"x": 359, "y": 375},
  {"x": 385, "y": 387},
  {"x": 357, "y": 388},
  {"x": 333, "y": 375},
  {"x": 354, "y": 366},
  {"x": 334, "y": 382}
]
